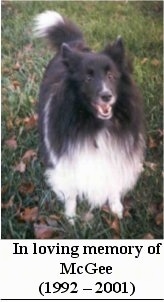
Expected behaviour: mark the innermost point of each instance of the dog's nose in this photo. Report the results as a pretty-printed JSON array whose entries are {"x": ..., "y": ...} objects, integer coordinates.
[{"x": 106, "y": 96}]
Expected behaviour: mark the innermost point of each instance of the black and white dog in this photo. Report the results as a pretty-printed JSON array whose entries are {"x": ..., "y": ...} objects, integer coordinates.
[{"x": 90, "y": 118}]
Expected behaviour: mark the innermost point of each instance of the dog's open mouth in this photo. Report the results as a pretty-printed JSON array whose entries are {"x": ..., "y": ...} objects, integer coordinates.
[{"x": 104, "y": 110}]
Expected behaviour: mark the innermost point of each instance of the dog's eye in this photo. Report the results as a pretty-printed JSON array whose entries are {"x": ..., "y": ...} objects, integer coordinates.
[
  {"x": 88, "y": 78},
  {"x": 109, "y": 75},
  {"x": 90, "y": 75}
]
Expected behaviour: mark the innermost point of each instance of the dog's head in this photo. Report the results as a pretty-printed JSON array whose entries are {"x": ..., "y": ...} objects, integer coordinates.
[{"x": 96, "y": 76}]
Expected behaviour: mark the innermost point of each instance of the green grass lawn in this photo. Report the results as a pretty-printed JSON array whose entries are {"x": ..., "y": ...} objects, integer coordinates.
[{"x": 29, "y": 208}]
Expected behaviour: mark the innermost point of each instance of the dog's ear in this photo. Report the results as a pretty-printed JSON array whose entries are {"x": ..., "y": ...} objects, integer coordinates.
[
  {"x": 70, "y": 57},
  {"x": 116, "y": 51},
  {"x": 66, "y": 51}
]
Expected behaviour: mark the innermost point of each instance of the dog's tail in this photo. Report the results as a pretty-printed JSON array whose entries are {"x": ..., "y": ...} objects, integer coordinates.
[{"x": 57, "y": 29}]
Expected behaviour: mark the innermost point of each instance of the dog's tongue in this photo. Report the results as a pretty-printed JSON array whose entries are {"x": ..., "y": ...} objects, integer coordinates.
[{"x": 104, "y": 108}]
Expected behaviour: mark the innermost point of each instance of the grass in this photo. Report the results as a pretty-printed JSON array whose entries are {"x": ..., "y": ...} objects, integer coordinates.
[{"x": 23, "y": 62}]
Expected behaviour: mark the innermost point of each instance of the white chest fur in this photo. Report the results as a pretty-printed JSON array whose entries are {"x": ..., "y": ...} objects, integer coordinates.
[{"x": 104, "y": 172}]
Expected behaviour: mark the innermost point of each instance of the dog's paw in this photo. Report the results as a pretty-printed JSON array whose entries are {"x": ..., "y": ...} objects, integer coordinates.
[
  {"x": 117, "y": 208},
  {"x": 71, "y": 220}
]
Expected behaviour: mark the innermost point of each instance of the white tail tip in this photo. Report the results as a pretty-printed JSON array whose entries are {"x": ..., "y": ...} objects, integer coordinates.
[{"x": 44, "y": 21}]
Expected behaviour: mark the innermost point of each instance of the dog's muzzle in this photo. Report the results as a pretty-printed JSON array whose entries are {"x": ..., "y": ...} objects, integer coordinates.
[{"x": 104, "y": 105}]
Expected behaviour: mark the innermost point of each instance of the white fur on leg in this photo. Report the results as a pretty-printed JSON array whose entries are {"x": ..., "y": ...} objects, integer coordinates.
[
  {"x": 117, "y": 208},
  {"x": 70, "y": 209}
]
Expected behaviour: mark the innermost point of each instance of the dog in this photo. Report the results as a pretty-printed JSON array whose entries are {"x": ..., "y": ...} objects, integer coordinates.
[{"x": 91, "y": 121}]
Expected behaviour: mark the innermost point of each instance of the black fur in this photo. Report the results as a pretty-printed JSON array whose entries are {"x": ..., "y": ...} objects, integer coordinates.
[{"x": 72, "y": 78}]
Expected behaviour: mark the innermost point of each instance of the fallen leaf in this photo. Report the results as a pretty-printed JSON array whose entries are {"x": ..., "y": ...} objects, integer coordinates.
[
  {"x": 28, "y": 155},
  {"x": 17, "y": 66},
  {"x": 152, "y": 209},
  {"x": 16, "y": 84},
  {"x": 161, "y": 132},
  {"x": 42, "y": 219},
  {"x": 115, "y": 225},
  {"x": 159, "y": 218},
  {"x": 43, "y": 231},
  {"x": 33, "y": 101},
  {"x": 6, "y": 70},
  {"x": 144, "y": 61},
  {"x": 31, "y": 122},
  {"x": 26, "y": 188},
  {"x": 18, "y": 121},
  {"x": 4, "y": 189},
  {"x": 9, "y": 124},
  {"x": 105, "y": 208},
  {"x": 151, "y": 142},
  {"x": 155, "y": 62},
  {"x": 55, "y": 217},
  {"x": 8, "y": 204},
  {"x": 11, "y": 143},
  {"x": 28, "y": 214},
  {"x": 151, "y": 165},
  {"x": 148, "y": 236},
  {"x": 20, "y": 167},
  {"x": 127, "y": 213}
]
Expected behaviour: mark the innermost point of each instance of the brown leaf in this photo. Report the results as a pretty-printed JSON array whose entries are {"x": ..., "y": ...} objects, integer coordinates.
[
  {"x": 17, "y": 66},
  {"x": 115, "y": 225},
  {"x": 8, "y": 204},
  {"x": 153, "y": 209},
  {"x": 43, "y": 231},
  {"x": 155, "y": 62},
  {"x": 159, "y": 218},
  {"x": 127, "y": 213},
  {"x": 105, "y": 208},
  {"x": 11, "y": 143},
  {"x": 18, "y": 121},
  {"x": 28, "y": 155},
  {"x": 31, "y": 122},
  {"x": 42, "y": 219},
  {"x": 161, "y": 132},
  {"x": 4, "y": 189},
  {"x": 6, "y": 70},
  {"x": 144, "y": 61},
  {"x": 151, "y": 165},
  {"x": 28, "y": 214},
  {"x": 20, "y": 167},
  {"x": 55, "y": 217},
  {"x": 33, "y": 101},
  {"x": 9, "y": 124},
  {"x": 151, "y": 142},
  {"x": 148, "y": 236},
  {"x": 26, "y": 188},
  {"x": 16, "y": 84}
]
